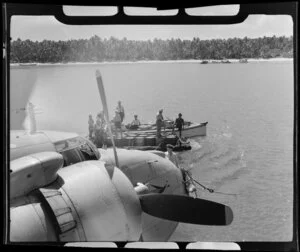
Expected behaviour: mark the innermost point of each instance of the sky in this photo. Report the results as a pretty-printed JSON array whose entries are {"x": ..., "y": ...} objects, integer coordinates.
[{"x": 38, "y": 28}]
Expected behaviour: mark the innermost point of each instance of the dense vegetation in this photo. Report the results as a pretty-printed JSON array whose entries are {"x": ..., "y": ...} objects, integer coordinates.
[{"x": 97, "y": 49}]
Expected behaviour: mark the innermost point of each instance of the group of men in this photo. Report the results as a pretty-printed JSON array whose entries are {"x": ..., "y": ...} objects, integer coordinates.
[
  {"x": 120, "y": 115},
  {"x": 97, "y": 131},
  {"x": 179, "y": 123},
  {"x": 160, "y": 123}
]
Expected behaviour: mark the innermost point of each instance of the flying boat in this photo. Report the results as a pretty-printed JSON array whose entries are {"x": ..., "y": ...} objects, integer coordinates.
[{"x": 64, "y": 189}]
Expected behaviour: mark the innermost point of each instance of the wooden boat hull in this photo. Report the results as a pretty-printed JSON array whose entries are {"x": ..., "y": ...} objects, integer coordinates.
[
  {"x": 145, "y": 138},
  {"x": 193, "y": 130}
]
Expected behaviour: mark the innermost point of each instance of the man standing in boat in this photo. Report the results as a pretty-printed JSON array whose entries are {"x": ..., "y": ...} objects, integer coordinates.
[
  {"x": 91, "y": 126},
  {"x": 179, "y": 123},
  {"x": 118, "y": 123},
  {"x": 99, "y": 131},
  {"x": 159, "y": 122},
  {"x": 121, "y": 111}
]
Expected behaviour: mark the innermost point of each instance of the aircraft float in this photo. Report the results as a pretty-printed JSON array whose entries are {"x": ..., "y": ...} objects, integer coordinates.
[{"x": 64, "y": 189}]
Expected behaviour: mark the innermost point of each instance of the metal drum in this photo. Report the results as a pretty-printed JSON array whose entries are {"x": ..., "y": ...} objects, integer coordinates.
[
  {"x": 150, "y": 141},
  {"x": 108, "y": 142},
  {"x": 142, "y": 136},
  {"x": 139, "y": 141},
  {"x": 159, "y": 141},
  {"x": 171, "y": 140},
  {"x": 119, "y": 142},
  {"x": 125, "y": 134},
  {"x": 129, "y": 141},
  {"x": 123, "y": 142},
  {"x": 131, "y": 135}
]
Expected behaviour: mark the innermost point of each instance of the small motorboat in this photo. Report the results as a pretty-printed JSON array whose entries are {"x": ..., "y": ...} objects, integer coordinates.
[
  {"x": 27, "y": 64},
  {"x": 243, "y": 61},
  {"x": 145, "y": 137},
  {"x": 225, "y": 61},
  {"x": 189, "y": 130}
]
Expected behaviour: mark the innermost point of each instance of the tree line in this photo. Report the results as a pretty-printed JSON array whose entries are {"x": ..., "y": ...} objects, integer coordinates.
[{"x": 97, "y": 49}]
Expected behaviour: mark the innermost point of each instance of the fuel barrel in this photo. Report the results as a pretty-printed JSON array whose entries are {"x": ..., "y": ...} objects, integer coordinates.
[
  {"x": 150, "y": 141},
  {"x": 129, "y": 141},
  {"x": 171, "y": 140},
  {"x": 140, "y": 141}
]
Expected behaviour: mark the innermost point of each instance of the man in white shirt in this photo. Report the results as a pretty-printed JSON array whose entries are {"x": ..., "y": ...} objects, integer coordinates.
[
  {"x": 159, "y": 122},
  {"x": 135, "y": 123}
]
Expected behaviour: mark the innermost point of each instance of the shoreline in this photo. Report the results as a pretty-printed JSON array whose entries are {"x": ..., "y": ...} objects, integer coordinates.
[{"x": 210, "y": 61}]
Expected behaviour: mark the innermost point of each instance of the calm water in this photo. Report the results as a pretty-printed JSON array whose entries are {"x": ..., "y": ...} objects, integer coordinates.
[{"x": 248, "y": 150}]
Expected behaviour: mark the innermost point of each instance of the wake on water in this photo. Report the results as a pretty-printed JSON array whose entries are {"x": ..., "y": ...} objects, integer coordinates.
[{"x": 215, "y": 161}]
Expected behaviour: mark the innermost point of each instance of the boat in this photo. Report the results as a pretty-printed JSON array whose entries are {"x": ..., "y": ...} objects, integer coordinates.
[
  {"x": 243, "y": 61},
  {"x": 27, "y": 64},
  {"x": 176, "y": 148},
  {"x": 190, "y": 129},
  {"x": 204, "y": 62},
  {"x": 142, "y": 141},
  {"x": 145, "y": 137},
  {"x": 225, "y": 61}
]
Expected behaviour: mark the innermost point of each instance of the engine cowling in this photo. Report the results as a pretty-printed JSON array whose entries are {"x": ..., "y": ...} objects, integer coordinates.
[
  {"x": 161, "y": 176},
  {"x": 83, "y": 204},
  {"x": 33, "y": 171}
]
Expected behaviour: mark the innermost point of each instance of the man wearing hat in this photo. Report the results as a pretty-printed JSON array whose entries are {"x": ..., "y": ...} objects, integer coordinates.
[
  {"x": 159, "y": 122},
  {"x": 135, "y": 123},
  {"x": 179, "y": 123},
  {"x": 91, "y": 126}
]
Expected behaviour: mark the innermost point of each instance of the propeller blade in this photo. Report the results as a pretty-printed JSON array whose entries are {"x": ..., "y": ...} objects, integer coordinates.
[
  {"x": 105, "y": 109},
  {"x": 29, "y": 123},
  {"x": 102, "y": 92},
  {"x": 186, "y": 209},
  {"x": 21, "y": 92}
]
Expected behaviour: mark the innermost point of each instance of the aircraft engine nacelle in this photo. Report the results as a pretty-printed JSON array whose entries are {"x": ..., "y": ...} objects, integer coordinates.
[
  {"x": 161, "y": 176},
  {"x": 83, "y": 204},
  {"x": 33, "y": 171}
]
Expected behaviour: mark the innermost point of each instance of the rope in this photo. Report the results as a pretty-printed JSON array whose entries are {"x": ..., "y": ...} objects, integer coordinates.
[
  {"x": 206, "y": 188},
  {"x": 229, "y": 194}
]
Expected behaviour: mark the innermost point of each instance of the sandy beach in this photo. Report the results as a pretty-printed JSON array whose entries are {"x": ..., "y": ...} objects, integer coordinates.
[{"x": 150, "y": 61}]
